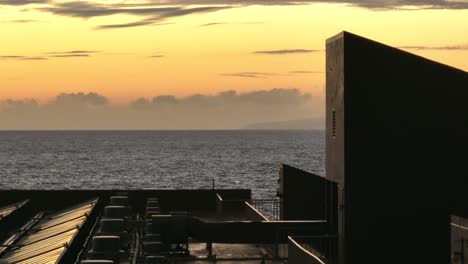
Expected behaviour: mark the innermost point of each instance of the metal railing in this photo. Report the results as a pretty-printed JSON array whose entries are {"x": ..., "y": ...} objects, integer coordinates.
[
  {"x": 297, "y": 254},
  {"x": 268, "y": 207},
  {"x": 324, "y": 247}
]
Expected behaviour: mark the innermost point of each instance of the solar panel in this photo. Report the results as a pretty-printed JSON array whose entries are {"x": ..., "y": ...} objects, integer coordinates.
[
  {"x": 46, "y": 258},
  {"x": 48, "y": 239},
  {"x": 7, "y": 210}
]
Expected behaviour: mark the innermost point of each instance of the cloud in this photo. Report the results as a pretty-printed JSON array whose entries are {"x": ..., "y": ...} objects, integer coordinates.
[
  {"x": 54, "y": 54},
  {"x": 279, "y": 96},
  {"x": 23, "y": 2},
  {"x": 187, "y": 11},
  {"x": 18, "y": 57},
  {"x": 15, "y": 106},
  {"x": 213, "y": 24},
  {"x": 152, "y": 13},
  {"x": 370, "y": 4},
  {"x": 21, "y": 21},
  {"x": 284, "y": 51},
  {"x": 69, "y": 55},
  {"x": 249, "y": 74},
  {"x": 264, "y": 75},
  {"x": 132, "y": 24},
  {"x": 455, "y": 47},
  {"x": 274, "y": 97},
  {"x": 305, "y": 72},
  {"x": 11, "y": 57},
  {"x": 126, "y": 25},
  {"x": 140, "y": 104},
  {"x": 156, "y": 13},
  {"x": 85, "y": 9},
  {"x": 224, "y": 110},
  {"x": 34, "y": 58},
  {"x": 88, "y": 9},
  {"x": 226, "y": 23},
  {"x": 79, "y": 100},
  {"x": 74, "y": 52},
  {"x": 167, "y": 99}
]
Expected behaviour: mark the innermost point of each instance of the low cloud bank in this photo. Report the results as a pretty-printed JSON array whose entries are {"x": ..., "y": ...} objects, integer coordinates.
[{"x": 225, "y": 110}]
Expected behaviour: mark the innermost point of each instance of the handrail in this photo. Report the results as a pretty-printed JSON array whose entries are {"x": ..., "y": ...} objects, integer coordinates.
[
  {"x": 301, "y": 254},
  {"x": 269, "y": 207},
  {"x": 257, "y": 212}
]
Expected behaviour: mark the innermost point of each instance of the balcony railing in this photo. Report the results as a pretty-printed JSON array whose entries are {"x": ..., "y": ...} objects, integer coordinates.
[
  {"x": 323, "y": 247},
  {"x": 297, "y": 254},
  {"x": 268, "y": 207}
]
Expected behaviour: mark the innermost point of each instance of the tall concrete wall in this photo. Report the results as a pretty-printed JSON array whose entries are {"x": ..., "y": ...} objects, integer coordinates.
[{"x": 397, "y": 144}]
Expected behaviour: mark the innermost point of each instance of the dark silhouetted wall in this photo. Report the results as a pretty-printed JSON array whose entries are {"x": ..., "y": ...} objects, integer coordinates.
[
  {"x": 306, "y": 196},
  {"x": 397, "y": 144}
]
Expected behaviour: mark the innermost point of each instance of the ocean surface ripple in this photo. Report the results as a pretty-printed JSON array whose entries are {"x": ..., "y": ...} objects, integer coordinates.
[{"x": 156, "y": 159}]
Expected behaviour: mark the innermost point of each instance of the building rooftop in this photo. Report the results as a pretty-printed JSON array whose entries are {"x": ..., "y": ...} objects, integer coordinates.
[{"x": 150, "y": 226}]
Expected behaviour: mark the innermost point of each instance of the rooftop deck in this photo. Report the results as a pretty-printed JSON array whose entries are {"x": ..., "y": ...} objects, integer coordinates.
[{"x": 144, "y": 227}]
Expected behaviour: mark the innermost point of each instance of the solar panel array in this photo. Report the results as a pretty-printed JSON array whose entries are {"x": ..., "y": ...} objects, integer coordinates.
[
  {"x": 47, "y": 240},
  {"x": 7, "y": 210}
]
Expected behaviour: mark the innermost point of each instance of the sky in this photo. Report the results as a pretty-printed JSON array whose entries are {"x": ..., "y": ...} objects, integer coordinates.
[{"x": 195, "y": 64}]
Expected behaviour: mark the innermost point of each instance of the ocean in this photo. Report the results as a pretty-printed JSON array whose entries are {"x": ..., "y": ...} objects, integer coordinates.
[{"x": 156, "y": 159}]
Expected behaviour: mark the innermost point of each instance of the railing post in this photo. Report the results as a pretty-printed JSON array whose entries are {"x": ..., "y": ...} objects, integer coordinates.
[
  {"x": 462, "y": 251},
  {"x": 276, "y": 245},
  {"x": 209, "y": 247}
]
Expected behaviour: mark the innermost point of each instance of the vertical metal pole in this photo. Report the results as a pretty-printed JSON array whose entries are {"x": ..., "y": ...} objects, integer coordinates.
[
  {"x": 276, "y": 245},
  {"x": 209, "y": 246},
  {"x": 462, "y": 251}
]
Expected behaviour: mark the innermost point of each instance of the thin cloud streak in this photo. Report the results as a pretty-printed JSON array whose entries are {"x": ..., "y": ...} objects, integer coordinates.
[
  {"x": 74, "y": 52},
  {"x": 126, "y": 25},
  {"x": 262, "y": 75},
  {"x": 243, "y": 75},
  {"x": 11, "y": 57},
  {"x": 132, "y": 24},
  {"x": 284, "y": 51},
  {"x": 227, "y": 23},
  {"x": 34, "y": 58},
  {"x": 18, "y": 57},
  {"x": 23, "y": 2},
  {"x": 53, "y": 54},
  {"x": 455, "y": 47},
  {"x": 213, "y": 24},
  {"x": 69, "y": 55},
  {"x": 20, "y": 21},
  {"x": 305, "y": 72}
]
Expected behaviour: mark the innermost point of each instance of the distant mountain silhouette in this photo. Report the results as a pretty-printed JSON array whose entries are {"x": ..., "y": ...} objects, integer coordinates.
[{"x": 303, "y": 124}]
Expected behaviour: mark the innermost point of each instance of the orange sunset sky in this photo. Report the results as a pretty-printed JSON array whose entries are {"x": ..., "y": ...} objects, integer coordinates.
[{"x": 125, "y": 50}]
